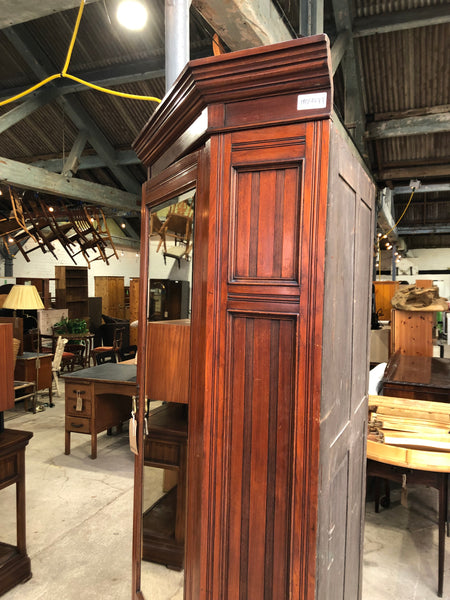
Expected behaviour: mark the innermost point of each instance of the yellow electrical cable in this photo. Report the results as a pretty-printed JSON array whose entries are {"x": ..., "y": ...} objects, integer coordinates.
[
  {"x": 112, "y": 92},
  {"x": 402, "y": 215},
  {"x": 77, "y": 79},
  {"x": 74, "y": 37},
  {"x": 31, "y": 89}
]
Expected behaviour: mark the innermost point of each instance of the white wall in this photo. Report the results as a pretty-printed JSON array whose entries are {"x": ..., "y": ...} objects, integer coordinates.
[
  {"x": 43, "y": 266},
  {"x": 423, "y": 259},
  {"x": 127, "y": 265}
]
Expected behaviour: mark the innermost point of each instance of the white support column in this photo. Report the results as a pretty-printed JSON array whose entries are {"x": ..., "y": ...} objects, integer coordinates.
[{"x": 177, "y": 38}]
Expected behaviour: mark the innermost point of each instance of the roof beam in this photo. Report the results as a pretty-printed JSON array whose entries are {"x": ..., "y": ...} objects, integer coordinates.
[
  {"x": 423, "y": 189},
  {"x": 25, "y": 109},
  {"x": 423, "y": 125},
  {"x": 423, "y": 229},
  {"x": 73, "y": 160},
  {"x": 339, "y": 48},
  {"x": 20, "y": 11},
  {"x": 33, "y": 178},
  {"x": 414, "y": 171},
  {"x": 124, "y": 157},
  {"x": 143, "y": 70},
  {"x": 42, "y": 67},
  {"x": 310, "y": 17},
  {"x": 244, "y": 24},
  {"x": 397, "y": 21},
  {"x": 354, "y": 116}
]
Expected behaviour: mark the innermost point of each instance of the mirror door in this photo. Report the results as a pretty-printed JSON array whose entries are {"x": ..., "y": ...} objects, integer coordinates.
[{"x": 167, "y": 251}]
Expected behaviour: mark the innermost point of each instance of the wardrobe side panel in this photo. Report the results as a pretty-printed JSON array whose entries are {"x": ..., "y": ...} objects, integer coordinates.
[{"x": 349, "y": 241}]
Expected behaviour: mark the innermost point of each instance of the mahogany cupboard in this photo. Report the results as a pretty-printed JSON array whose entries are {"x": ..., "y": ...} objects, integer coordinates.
[{"x": 281, "y": 272}]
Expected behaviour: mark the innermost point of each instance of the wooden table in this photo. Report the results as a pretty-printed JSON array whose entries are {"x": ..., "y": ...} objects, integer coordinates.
[
  {"x": 418, "y": 377},
  {"x": 164, "y": 522},
  {"x": 15, "y": 566},
  {"x": 27, "y": 370},
  {"x": 97, "y": 399},
  {"x": 414, "y": 433}
]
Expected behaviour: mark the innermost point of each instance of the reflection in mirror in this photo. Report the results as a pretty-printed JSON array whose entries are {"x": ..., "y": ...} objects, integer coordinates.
[{"x": 167, "y": 377}]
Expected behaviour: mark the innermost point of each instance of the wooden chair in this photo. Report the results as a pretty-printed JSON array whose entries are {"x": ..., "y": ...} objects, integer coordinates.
[
  {"x": 73, "y": 355},
  {"x": 112, "y": 350}
]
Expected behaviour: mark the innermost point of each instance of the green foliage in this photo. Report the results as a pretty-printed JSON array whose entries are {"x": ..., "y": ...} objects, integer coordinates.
[{"x": 70, "y": 326}]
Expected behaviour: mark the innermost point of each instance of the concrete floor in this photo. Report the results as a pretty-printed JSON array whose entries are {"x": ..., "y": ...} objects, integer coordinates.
[{"x": 79, "y": 525}]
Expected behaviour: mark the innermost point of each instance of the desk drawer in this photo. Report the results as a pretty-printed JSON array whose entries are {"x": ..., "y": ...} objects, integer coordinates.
[
  {"x": 73, "y": 387},
  {"x": 85, "y": 404},
  {"x": 78, "y": 424}
]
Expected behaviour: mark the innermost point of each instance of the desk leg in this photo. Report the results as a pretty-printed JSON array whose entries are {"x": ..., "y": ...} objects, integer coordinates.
[
  {"x": 94, "y": 445},
  {"x": 443, "y": 489},
  {"x": 67, "y": 448}
]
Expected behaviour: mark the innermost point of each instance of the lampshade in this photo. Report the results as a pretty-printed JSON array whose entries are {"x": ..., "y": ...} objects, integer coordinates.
[{"x": 23, "y": 297}]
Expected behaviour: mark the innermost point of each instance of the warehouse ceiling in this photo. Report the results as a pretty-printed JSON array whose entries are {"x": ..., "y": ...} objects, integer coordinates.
[{"x": 391, "y": 73}]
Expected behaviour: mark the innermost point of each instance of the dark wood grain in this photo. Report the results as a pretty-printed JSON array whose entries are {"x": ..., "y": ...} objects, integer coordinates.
[
  {"x": 6, "y": 367},
  {"x": 15, "y": 565},
  {"x": 279, "y": 325}
]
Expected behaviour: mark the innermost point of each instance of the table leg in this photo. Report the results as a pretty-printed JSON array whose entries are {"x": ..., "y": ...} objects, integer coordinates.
[
  {"x": 50, "y": 396},
  {"x": 67, "y": 448},
  {"x": 93, "y": 445}
]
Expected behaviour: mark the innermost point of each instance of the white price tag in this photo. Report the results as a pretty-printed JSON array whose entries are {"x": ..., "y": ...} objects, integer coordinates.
[{"x": 311, "y": 101}]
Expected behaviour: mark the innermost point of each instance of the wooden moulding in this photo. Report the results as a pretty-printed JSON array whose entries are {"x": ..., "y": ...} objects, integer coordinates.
[
  {"x": 297, "y": 66},
  {"x": 168, "y": 356}
]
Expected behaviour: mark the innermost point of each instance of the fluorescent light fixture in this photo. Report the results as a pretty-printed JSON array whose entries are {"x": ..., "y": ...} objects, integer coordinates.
[{"x": 132, "y": 14}]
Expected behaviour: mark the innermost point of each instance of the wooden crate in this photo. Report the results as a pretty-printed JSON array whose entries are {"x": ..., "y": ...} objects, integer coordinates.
[{"x": 384, "y": 290}]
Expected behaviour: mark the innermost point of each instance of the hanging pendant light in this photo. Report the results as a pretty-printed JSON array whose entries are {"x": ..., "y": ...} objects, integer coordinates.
[{"x": 132, "y": 14}]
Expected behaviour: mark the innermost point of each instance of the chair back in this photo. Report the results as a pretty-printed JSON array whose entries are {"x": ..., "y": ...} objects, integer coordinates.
[
  {"x": 118, "y": 338},
  {"x": 60, "y": 343}
]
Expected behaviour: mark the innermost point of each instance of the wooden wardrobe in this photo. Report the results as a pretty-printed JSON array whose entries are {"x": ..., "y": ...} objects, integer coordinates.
[{"x": 282, "y": 265}]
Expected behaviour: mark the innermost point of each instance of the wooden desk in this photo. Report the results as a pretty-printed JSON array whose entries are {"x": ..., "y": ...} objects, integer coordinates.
[
  {"x": 26, "y": 370},
  {"x": 164, "y": 522},
  {"x": 15, "y": 566},
  {"x": 97, "y": 399},
  {"x": 417, "y": 377}
]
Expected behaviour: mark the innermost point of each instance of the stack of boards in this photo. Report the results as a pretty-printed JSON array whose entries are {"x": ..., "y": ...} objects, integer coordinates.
[{"x": 409, "y": 433}]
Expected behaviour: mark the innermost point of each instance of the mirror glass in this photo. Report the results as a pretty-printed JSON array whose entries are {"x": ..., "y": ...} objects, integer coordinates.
[{"x": 167, "y": 378}]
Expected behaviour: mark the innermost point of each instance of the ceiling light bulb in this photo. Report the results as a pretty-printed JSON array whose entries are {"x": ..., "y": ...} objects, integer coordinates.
[
  {"x": 123, "y": 225},
  {"x": 51, "y": 209},
  {"x": 132, "y": 14}
]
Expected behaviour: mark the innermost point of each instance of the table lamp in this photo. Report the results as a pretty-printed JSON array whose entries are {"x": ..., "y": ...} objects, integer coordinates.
[{"x": 26, "y": 297}]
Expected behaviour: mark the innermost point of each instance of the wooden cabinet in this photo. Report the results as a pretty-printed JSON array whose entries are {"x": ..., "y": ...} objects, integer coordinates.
[
  {"x": 111, "y": 290},
  {"x": 412, "y": 332},
  {"x": 6, "y": 368},
  {"x": 134, "y": 309},
  {"x": 283, "y": 230},
  {"x": 384, "y": 290},
  {"x": 71, "y": 291},
  {"x": 15, "y": 565}
]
